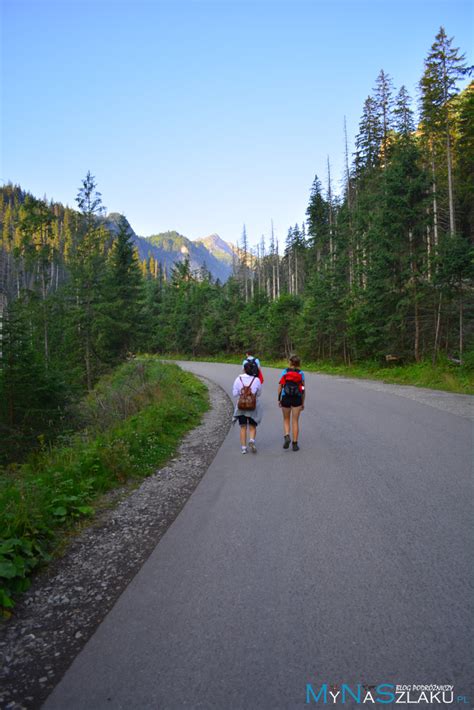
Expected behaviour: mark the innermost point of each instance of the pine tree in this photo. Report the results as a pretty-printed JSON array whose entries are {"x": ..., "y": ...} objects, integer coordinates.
[
  {"x": 35, "y": 226},
  {"x": 370, "y": 137},
  {"x": 318, "y": 222},
  {"x": 403, "y": 115},
  {"x": 123, "y": 323},
  {"x": 444, "y": 66},
  {"x": 32, "y": 396},
  {"x": 384, "y": 102},
  {"x": 88, "y": 268},
  {"x": 464, "y": 162}
]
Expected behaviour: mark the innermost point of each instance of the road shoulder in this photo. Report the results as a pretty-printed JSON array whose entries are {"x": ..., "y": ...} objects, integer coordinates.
[{"x": 66, "y": 603}]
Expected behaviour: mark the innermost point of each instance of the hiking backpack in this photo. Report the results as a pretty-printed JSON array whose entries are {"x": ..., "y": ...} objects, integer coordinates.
[
  {"x": 247, "y": 400},
  {"x": 291, "y": 387},
  {"x": 253, "y": 366}
]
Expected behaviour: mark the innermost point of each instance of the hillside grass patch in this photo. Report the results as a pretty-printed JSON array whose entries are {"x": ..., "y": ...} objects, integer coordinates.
[{"x": 132, "y": 422}]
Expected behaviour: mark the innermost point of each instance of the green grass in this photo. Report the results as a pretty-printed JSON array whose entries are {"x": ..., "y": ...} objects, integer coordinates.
[
  {"x": 444, "y": 376},
  {"x": 132, "y": 423}
]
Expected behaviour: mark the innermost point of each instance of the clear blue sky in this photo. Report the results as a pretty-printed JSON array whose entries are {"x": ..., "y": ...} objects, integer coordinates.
[{"x": 201, "y": 116}]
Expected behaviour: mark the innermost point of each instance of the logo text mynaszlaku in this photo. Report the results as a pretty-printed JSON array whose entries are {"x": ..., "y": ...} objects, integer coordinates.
[{"x": 384, "y": 693}]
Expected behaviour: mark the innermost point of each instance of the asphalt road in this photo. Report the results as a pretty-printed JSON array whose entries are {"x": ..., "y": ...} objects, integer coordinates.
[{"x": 349, "y": 561}]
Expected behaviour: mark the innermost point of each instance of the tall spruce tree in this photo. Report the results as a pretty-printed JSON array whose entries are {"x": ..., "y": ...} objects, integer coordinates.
[
  {"x": 404, "y": 123},
  {"x": 318, "y": 222},
  {"x": 369, "y": 138},
  {"x": 123, "y": 326},
  {"x": 444, "y": 66},
  {"x": 383, "y": 96},
  {"x": 88, "y": 268}
]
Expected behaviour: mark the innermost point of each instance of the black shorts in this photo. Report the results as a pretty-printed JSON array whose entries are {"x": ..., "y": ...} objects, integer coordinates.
[
  {"x": 243, "y": 420},
  {"x": 294, "y": 401}
]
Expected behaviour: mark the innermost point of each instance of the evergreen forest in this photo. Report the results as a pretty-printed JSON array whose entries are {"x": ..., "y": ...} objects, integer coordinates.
[{"x": 384, "y": 269}]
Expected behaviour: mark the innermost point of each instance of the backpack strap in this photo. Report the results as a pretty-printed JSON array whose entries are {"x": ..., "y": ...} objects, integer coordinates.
[{"x": 253, "y": 378}]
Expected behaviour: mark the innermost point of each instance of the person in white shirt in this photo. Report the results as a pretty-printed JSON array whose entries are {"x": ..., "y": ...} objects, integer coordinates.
[{"x": 248, "y": 419}]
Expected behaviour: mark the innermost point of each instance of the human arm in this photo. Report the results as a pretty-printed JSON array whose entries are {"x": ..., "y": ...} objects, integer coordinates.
[
  {"x": 281, "y": 385},
  {"x": 237, "y": 387}
]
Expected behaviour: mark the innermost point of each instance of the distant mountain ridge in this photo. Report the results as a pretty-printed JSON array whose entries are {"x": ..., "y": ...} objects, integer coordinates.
[
  {"x": 219, "y": 248},
  {"x": 170, "y": 247}
]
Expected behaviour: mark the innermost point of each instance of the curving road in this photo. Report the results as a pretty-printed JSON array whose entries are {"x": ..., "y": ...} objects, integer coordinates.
[{"x": 346, "y": 562}]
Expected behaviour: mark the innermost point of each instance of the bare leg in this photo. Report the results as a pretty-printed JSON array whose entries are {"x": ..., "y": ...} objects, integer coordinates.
[
  {"x": 252, "y": 431},
  {"x": 243, "y": 435},
  {"x": 295, "y": 422},
  {"x": 286, "y": 420}
]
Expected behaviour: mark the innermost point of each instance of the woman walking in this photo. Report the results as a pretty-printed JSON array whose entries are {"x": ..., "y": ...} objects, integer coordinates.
[
  {"x": 246, "y": 390},
  {"x": 291, "y": 396}
]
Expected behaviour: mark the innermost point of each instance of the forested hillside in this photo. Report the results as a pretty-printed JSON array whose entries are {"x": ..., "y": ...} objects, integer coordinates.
[{"x": 385, "y": 268}]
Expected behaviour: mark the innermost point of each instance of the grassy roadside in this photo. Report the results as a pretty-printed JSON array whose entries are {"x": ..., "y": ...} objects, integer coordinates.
[
  {"x": 444, "y": 376},
  {"x": 132, "y": 423}
]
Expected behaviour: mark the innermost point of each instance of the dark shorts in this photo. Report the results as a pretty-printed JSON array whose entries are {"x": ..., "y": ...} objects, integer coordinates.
[
  {"x": 295, "y": 401},
  {"x": 243, "y": 420}
]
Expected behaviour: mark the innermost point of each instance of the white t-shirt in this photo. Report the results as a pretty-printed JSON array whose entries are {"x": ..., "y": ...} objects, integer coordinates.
[{"x": 245, "y": 380}]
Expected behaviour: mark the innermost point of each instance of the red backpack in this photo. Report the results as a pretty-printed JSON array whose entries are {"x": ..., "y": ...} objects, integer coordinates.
[{"x": 293, "y": 382}]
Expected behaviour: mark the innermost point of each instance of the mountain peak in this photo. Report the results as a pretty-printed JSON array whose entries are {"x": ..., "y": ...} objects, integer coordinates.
[
  {"x": 218, "y": 247},
  {"x": 170, "y": 247}
]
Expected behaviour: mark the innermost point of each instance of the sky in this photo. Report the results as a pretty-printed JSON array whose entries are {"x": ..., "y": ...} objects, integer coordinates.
[{"x": 202, "y": 116}]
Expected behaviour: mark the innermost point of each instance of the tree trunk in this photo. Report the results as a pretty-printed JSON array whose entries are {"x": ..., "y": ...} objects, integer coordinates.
[
  {"x": 417, "y": 329},
  {"x": 46, "y": 340},
  {"x": 452, "y": 225},
  {"x": 364, "y": 268},
  {"x": 330, "y": 215},
  {"x": 45, "y": 317},
  {"x": 415, "y": 297},
  {"x": 349, "y": 205},
  {"x": 246, "y": 279},
  {"x": 296, "y": 272},
  {"x": 428, "y": 251},
  {"x": 435, "y": 201},
  {"x": 278, "y": 270},
  {"x": 438, "y": 322},
  {"x": 87, "y": 356},
  {"x": 3, "y": 308}
]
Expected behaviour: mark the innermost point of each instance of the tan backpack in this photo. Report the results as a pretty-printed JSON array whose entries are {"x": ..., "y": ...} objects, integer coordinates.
[{"x": 247, "y": 400}]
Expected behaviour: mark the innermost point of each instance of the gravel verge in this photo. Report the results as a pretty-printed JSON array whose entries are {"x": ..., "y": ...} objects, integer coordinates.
[{"x": 66, "y": 603}]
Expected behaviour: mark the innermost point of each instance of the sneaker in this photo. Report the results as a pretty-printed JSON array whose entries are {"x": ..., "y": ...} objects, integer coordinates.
[
  {"x": 295, "y": 446},
  {"x": 252, "y": 446},
  {"x": 286, "y": 445},
  {"x": 244, "y": 449}
]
